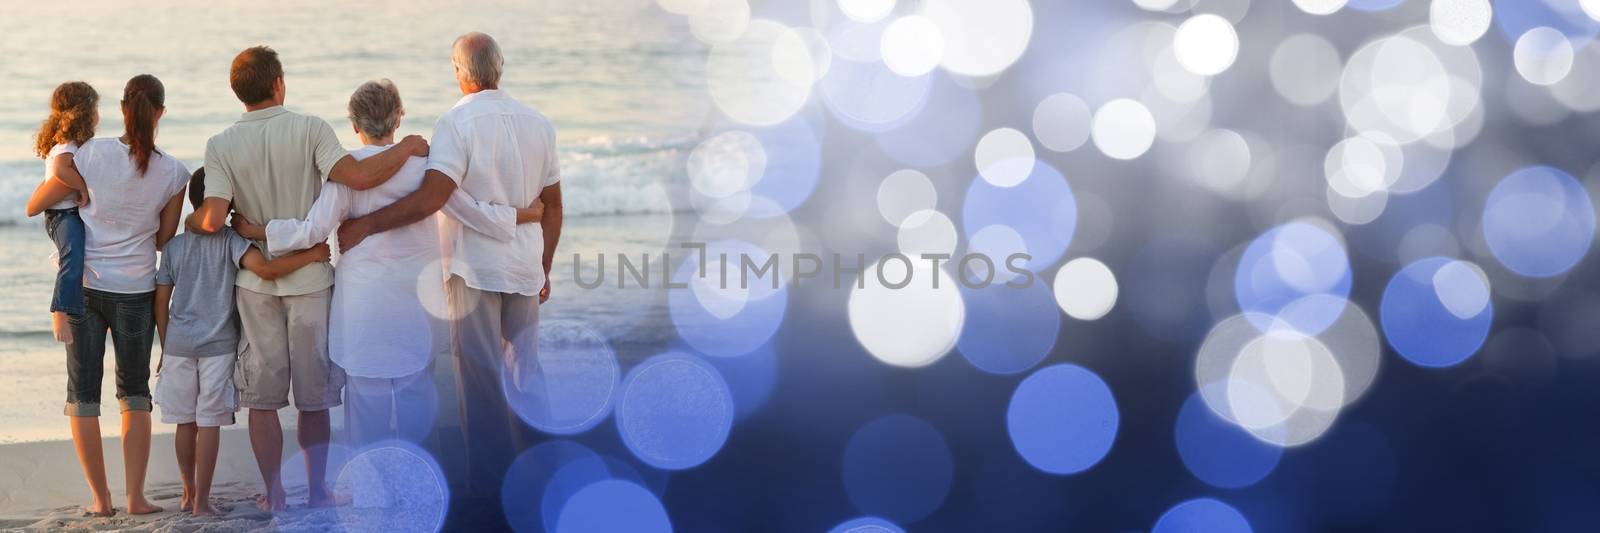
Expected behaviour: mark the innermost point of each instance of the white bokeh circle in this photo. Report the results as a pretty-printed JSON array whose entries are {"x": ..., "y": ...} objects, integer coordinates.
[
  {"x": 1123, "y": 129},
  {"x": 910, "y": 326},
  {"x": 981, "y": 38},
  {"x": 1004, "y": 157},
  {"x": 1085, "y": 288},
  {"x": 1206, "y": 44}
]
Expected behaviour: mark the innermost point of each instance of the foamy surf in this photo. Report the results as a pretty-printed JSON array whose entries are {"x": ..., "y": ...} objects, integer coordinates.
[{"x": 600, "y": 176}]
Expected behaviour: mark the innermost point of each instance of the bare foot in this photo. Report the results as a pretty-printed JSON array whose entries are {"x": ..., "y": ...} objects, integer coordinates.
[
  {"x": 187, "y": 502},
  {"x": 323, "y": 498},
  {"x": 60, "y": 327},
  {"x": 100, "y": 506},
  {"x": 271, "y": 504},
  {"x": 204, "y": 509},
  {"x": 141, "y": 506}
]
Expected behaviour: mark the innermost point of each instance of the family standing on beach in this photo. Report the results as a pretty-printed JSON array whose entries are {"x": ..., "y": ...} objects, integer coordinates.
[{"x": 249, "y": 311}]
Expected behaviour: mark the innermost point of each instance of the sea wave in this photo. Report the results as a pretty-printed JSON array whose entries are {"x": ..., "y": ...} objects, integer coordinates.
[
  {"x": 26, "y": 335},
  {"x": 601, "y": 176}
]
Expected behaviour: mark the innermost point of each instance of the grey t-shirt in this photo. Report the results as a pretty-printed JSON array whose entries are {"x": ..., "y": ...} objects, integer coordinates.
[{"x": 201, "y": 321}]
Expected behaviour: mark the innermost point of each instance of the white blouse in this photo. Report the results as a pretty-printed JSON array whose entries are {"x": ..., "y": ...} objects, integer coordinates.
[
  {"x": 389, "y": 316},
  {"x": 122, "y": 220}
]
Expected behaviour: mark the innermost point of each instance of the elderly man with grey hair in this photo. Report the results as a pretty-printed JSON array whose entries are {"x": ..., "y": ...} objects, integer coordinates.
[
  {"x": 501, "y": 152},
  {"x": 388, "y": 321}
]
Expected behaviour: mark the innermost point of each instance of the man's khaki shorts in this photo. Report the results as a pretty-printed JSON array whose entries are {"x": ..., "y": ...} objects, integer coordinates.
[{"x": 283, "y": 346}]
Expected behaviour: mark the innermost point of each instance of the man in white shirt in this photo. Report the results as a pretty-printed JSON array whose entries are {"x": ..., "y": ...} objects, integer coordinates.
[{"x": 500, "y": 152}]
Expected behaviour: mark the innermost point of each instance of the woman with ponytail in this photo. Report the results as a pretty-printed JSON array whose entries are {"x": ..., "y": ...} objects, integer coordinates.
[
  {"x": 138, "y": 195},
  {"x": 73, "y": 116},
  {"x": 142, "y": 107}
]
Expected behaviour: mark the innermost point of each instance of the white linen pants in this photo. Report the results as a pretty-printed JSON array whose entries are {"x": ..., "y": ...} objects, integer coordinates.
[{"x": 495, "y": 334}]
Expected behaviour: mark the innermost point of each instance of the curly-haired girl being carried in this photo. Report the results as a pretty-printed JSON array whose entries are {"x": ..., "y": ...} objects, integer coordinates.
[{"x": 73, "y": 116}]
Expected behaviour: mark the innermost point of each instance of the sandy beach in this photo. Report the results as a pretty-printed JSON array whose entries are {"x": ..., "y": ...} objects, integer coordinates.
[{"x": 41, "y": 489}]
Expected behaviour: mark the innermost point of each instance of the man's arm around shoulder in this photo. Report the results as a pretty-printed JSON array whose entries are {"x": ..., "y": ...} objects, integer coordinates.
[
  {"x": 425, "y": 201},
  {"x": 210, "y": 217},
  {"x": 373, "y": 171}
]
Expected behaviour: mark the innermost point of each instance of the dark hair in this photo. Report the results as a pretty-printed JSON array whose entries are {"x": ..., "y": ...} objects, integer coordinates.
[
  {"x": 142, "y": 99},
  {"x": 253, "y": 73},
  {"x": 71, "y": 119},
  {"x": 197, "y": 188}
]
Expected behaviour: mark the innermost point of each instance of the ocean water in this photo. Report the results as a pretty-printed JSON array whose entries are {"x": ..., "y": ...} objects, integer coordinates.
[
  {"x": 622, "y": 82},
  {"x": 626, "y": 104}
]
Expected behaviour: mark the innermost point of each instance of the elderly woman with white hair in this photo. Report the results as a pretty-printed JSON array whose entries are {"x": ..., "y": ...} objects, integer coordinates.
[{"x": 389, "y": 317}]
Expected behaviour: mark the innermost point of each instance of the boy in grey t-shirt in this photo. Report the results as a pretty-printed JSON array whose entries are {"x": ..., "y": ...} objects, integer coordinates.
[{"x": 199, "y": 331}]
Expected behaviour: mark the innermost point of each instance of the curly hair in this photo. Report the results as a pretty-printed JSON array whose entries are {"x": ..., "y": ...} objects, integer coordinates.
[{"x": 71, "y": 120}]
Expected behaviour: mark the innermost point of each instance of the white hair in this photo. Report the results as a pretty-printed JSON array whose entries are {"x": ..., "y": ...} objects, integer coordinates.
[
  {"x": 375, "y": 108},
  {"x": 479, "y": 56}
]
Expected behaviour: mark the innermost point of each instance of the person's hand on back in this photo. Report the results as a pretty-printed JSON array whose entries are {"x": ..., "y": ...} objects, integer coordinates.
[
  {"x": 248, "y": 229},
  {"x": 321, "y": 252},
  {"x": 532, "y": 214},
  {"x": 416, "y": 144},
  {"x": 351, "y": 233}
]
